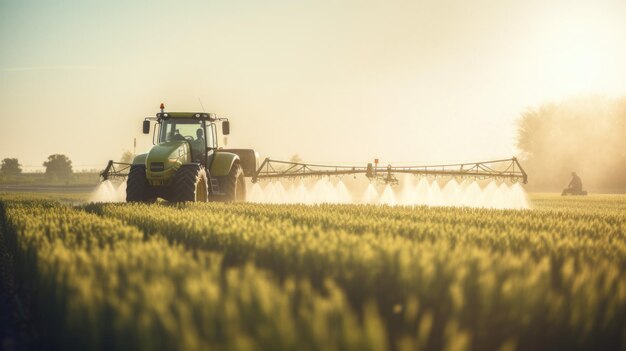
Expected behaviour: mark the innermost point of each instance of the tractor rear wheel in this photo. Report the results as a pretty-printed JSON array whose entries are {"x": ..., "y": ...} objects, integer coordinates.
[
  {"x": 190, "y": 184},
  {"x": 235, "y": 185},
  {"x": 137, "y": 186}
]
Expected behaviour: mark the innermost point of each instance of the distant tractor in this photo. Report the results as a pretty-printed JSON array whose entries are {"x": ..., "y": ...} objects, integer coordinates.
[
  {"x": 185, "y": 164},
  {"x": 575, "y": 187}
]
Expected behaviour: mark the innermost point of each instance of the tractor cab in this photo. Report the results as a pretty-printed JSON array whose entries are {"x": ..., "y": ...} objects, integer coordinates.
[
  {"x": 191, "y": 131},
  {"x": 197, "y": 130}
]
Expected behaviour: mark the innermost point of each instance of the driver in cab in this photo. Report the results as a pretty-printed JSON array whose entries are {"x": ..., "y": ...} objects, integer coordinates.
[{"x": 199, "y": 144}]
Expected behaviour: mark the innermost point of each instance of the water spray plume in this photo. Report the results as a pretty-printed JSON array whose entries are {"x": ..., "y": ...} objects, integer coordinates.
[
  {"x": 468, "y": 193},
  {"x": 407, "y": 194},
  {"x": 518, "y": 197},
  {"x": 255, "y": 194},
  {"x": 343, "y": 195},
  {"x": 371, "y": 195},
  {"x": 388, "y": 198},
  {"x": 107, "y": 191},
  {"x": 452, "y": 193},
  {"x": 302, "y": 194},
  {"x": 491, "y": 198},
  {"x": 422, "y": 193},
  {"x": 435, "y": 195},
  {"x": 503, "y": 192},
  {"x": 473, "y": 195}
]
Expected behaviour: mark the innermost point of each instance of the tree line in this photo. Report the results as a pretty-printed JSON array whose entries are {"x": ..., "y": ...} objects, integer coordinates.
[
  {"x": 586, "y": 135},
  {"x": 58, "y": 167}
]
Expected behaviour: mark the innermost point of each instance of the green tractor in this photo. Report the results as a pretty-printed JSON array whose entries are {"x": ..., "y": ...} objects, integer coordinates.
[{"x": 186, "y": 164}]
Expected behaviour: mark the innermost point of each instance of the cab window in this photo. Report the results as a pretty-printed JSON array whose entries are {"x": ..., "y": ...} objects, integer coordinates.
[
  {"x": 181, "y": 130},
  {"x": 210, "y": 131}
]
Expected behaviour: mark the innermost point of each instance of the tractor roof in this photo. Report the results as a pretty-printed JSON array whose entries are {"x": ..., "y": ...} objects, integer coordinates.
[{"x": 199, "y": 115}]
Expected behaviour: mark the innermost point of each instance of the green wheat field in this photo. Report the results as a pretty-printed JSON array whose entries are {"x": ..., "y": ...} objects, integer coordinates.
[{"x": 217, "y": 276}]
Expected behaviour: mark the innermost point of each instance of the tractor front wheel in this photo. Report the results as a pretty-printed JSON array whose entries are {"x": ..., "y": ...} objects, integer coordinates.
[
  {"x": 190, "y": 184},
  {"x": 235, "y": 185},
  {"x": 137, "y": 186}
]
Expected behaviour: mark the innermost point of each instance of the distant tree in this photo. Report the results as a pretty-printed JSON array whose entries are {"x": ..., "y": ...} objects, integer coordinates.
[
  {"x": 295, "y": 158},
  {"x": 10, "y": 166},
  {"x": 127, "y": 157},
  {"x": 58, "y": 167},
  {"x": 584, "y": 135}
]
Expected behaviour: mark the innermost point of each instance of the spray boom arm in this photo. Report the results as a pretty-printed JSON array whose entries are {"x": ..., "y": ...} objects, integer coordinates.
[
  {"x": 115, "y": 170},
  {"x": 507, "y": 169}
]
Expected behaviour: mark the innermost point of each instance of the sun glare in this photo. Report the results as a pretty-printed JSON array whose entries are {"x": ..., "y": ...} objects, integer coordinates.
[{"x": 579, "y": 57}]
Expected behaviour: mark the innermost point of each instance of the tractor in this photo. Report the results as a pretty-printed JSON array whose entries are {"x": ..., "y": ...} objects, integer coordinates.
[{"x": 186, "y": 164}]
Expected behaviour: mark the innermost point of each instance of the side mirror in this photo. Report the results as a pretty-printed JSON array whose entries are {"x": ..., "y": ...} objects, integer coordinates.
[
  {"x": 146, "y": 127},
  {"x": 225, "y": 127}
]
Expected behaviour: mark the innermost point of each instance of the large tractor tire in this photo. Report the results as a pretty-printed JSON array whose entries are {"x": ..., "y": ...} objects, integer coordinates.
[
  {"x": 234, "y": 185},
  {"x": 137, "y": 186},
  {"x": 190, "y": 184}
]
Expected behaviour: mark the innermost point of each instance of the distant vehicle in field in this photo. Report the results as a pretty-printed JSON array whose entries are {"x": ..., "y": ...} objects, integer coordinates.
[{"x": 575, "y": 186}]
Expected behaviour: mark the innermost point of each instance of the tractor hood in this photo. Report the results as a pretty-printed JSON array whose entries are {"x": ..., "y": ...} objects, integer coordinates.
[
  {"x": 164, "y": 159},
  {"x": 169, "y": 150}
]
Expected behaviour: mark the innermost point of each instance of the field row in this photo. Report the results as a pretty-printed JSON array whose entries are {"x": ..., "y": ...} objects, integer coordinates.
[
  {"x": 496, "y": 275},
  {"x": 331, "y": 276},
  {"x": 94, "y": 283}
]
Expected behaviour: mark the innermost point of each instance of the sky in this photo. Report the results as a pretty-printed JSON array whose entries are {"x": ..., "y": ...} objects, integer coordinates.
[{"x": 342, "y": 82}]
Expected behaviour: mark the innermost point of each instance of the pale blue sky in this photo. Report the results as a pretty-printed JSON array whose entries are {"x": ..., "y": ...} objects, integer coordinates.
[{"x": 335, "y": 81}]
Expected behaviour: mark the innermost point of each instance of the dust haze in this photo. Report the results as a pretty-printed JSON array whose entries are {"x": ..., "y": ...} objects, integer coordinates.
[
  {"x": 583, "y": 134},
  {"x": 335, "y": 82}
]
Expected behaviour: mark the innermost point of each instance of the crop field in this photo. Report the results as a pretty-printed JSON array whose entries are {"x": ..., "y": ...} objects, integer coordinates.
[{"x": 214, "y": 276}]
